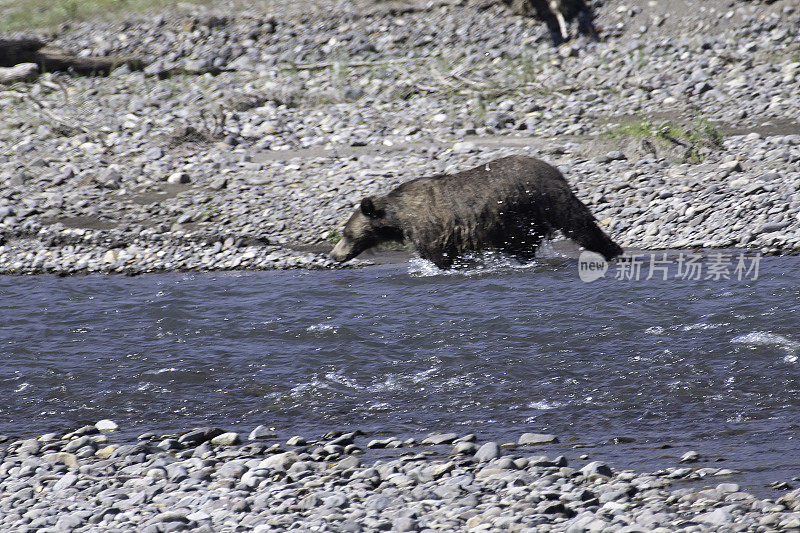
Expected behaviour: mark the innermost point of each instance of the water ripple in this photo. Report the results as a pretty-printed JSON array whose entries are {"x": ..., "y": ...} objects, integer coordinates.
[{"x": 493, "y": 347}]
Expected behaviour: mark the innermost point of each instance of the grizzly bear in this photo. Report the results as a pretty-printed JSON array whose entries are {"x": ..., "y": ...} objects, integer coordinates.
[{"x": 508, "y": 205}]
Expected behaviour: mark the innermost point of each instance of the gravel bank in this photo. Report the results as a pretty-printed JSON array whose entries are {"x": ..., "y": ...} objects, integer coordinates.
[
  {"x": 251, "y": 135},
  {"x": 211, "y": 480}
]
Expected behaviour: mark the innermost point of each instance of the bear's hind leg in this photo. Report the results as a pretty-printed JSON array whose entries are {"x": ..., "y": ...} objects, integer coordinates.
[
  {"x": 586, "y": 24},
  {"x": 556, "y": 33},
  {"x": 524, "y": 257},
  {"x": 525, "y": 251}
]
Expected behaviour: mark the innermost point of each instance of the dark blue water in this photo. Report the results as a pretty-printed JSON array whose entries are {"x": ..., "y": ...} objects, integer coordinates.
[{"x": 403, "y": 349}]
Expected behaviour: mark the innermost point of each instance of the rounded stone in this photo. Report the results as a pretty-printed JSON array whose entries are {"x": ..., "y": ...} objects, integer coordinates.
[{"x": 106, "y": 425}]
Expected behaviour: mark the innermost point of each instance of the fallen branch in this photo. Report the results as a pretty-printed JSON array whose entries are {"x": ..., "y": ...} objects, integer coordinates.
[
  {"x": 52, "y": 59},
  {"x": 21, "y": 72},
  {"x": 329, "y": 64},
  {"x": 32, "y": 50},
  {"x": 66, "y": 126}
]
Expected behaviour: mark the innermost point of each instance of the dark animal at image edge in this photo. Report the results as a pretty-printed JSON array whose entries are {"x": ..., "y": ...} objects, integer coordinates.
[
  {"x": 557, "y": 14},
  {"x": 508, "y": 205}
]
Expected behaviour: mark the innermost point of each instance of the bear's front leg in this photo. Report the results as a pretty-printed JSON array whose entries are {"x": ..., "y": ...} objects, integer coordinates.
[{"x": 443, "y": 260}]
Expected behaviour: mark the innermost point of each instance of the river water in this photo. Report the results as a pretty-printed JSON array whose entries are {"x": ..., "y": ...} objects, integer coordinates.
[{"x": 624, "y": 366}]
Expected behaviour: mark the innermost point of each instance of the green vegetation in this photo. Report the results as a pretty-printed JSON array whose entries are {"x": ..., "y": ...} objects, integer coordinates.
[
  {"x": 30, "y": 14},
  {"x": 639, "y": 128},
  {"x": 524, "y": 70},
  {"x": 404, "y": 92},
  {"x": 782, "y": 56},
  {"x": 394, "y": 246},
  {"x": 528, "y": 70},
  {"x": 16, "y": 15},
  {"x": 21, "y": 14},
  {"x": 209, "y": 213},
  {"x": 340, "y": 70},
  {"x": 705, "y": 132},
  {"x": 334, "y": 237},
  {"x": 478, "y": 110},
  {"x": 699, "y": 135}
]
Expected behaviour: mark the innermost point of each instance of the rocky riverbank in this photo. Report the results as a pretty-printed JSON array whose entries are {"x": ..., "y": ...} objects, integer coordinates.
[
  {"x": 210, "y": 480},
  {"x": 251, "y": 135}
]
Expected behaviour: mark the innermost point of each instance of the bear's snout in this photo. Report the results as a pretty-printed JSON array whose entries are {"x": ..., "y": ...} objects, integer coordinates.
[{"x": 341, "y": 252}]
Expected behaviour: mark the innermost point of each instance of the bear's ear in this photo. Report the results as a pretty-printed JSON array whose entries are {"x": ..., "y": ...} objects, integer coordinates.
[{"x": 369, "y": 209}]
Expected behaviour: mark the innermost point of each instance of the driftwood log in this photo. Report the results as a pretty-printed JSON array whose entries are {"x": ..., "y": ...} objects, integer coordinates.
[
  {"x": 21, "y": 72},
  {"x": 32, "y": 50}
]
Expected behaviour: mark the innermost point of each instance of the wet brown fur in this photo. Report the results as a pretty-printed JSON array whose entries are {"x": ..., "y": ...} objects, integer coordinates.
[{"x": 509, "y": 204}]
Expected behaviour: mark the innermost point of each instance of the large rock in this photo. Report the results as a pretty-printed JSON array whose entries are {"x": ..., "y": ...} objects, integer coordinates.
[
  {"x": 597, "y": 468},
  {"x": 226, "y": 439},
  {"x": 440, "y": 438},
  {"x": 179, "y": 178},
  {"x": 106, "y": 425},
  {"x": 487, "y": 452},
  {"x": 464, "y": 448},
  {"x": 718, "y": 517},
  {"x": 65, "y": 458},
  {"x": 280, "y": 461},
  {"x": 198, "y": 436},
  {"x": 261, "y": 432},
  {"x": 534, "y": 439}
]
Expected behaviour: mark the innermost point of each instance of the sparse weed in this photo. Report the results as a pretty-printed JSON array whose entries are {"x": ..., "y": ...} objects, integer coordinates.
[
  {"x": 697, "y": 138},
  {"x": 340, "y": 70},
  {"x": 403, "y": 92},
  {"x": 443, "y": 64},
  {"x": 334, "y": 237},
  {"x": 705, "y": 132},
  {"x": 636, "y": 128},
  {"x": 291, "y": 69},
  {"x": 213, "y": 124},
  {"x": 209, "y": 213},
  {"x": 527, "y": 69},
  {"x": 33, "y": 14},
  {"x": 452, "y": 110},
  {"x": 478, "y": 111}
]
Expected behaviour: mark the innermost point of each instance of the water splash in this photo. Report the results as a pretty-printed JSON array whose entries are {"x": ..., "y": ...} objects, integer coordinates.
[
  {"x": 322, "y": 328},
  {"x": 704, "y": 326},
  {"x": 339, "y": 378},
  {"x": 766, "y": 338},
  {"x": 470, "y": 265},
  {"x": 158, "y": 371},
  {"x": 543, "y": 405}
]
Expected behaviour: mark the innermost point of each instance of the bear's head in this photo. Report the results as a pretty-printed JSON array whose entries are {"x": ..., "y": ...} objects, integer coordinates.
[{"x": 371, "y": 224}]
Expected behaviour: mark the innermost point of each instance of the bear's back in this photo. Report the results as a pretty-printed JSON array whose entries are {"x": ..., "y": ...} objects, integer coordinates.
[{"x": 509, "y": 179}]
